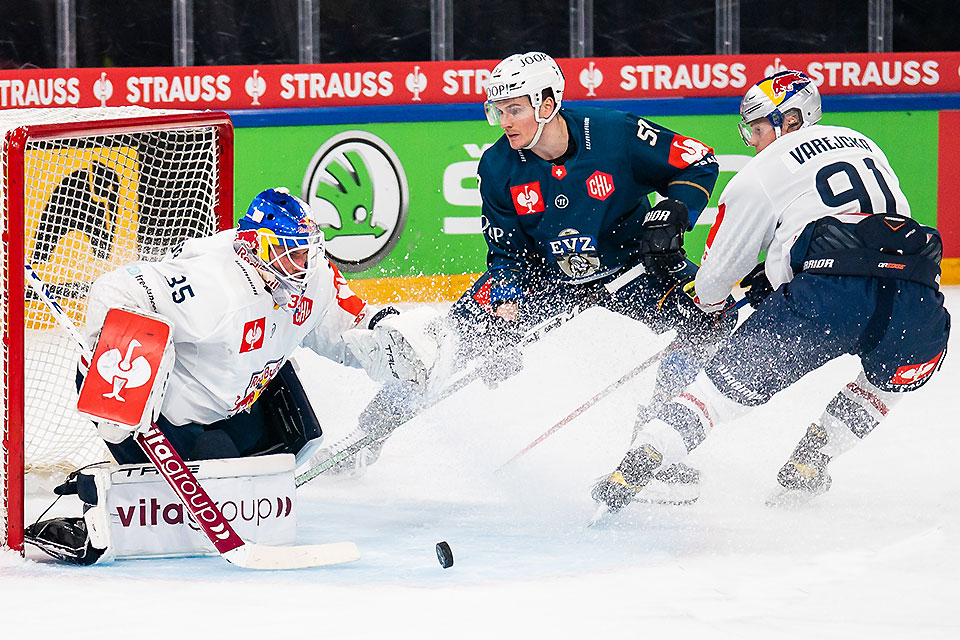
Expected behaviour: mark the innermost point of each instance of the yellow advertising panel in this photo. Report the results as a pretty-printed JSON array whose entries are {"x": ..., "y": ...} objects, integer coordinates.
[{"x": 81, "y": 211}]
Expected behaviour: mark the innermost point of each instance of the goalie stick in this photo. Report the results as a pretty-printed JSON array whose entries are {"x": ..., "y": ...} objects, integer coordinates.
[
  {"x": 193, "y": 496},
  {"x": 319, "y": 465}
]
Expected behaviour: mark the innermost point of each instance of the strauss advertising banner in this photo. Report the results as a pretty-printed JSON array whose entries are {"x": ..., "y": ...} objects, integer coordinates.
[{"x": 386, "y": 153}]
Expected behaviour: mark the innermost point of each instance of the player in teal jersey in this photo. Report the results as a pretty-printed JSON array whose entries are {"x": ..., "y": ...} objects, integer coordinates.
[{"x": 566, "y": 211}]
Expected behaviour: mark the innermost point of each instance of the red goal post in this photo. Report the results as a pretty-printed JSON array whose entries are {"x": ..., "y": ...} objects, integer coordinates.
[{"x": 82, "y": 192}]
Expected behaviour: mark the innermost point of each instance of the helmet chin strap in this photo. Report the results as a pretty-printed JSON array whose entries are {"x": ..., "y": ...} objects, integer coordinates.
[{"x": 543, "y": 123}]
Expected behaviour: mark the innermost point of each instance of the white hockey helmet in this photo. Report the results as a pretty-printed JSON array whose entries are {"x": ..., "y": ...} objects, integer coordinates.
[
  {"x": 774, "y": 96},
  {"x": 525, "y": 74}
]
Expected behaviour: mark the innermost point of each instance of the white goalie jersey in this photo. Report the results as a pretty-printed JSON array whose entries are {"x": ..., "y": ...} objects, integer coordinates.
[
  {"x": 229, "y": 336},
  {"x": 803, "y": 176}
]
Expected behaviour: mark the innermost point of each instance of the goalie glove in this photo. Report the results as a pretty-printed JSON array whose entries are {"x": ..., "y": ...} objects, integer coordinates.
[{"x": 402, "y": 346}]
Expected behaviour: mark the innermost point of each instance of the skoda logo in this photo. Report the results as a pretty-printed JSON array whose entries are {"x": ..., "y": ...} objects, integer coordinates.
[{"x": 358, "y": 192}]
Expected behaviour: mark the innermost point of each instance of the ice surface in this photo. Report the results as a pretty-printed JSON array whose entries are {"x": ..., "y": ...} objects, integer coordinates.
[{"x": 877, "y": 557}]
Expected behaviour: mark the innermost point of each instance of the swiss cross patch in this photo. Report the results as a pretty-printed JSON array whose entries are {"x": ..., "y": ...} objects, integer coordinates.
[
  {"x": 302, "y": 311},
  {"x": 912, "y": 373},
  {"x": 686, "y": 151},
  {"x": 559, "y": 172},
  {"x": 527, "y": 198},
  {"x": 600, "y": 185},
  {"x": 253, "y": 335}
]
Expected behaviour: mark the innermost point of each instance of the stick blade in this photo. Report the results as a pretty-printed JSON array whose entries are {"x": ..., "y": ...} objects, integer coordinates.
[{"x": 268, "y": 558}]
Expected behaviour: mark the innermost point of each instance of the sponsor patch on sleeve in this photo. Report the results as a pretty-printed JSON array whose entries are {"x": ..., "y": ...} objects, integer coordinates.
[{"x": 686, "y": 151}]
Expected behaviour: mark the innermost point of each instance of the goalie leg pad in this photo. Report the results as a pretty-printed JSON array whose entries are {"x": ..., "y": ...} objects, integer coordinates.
[{"x": 135, "y": 514}]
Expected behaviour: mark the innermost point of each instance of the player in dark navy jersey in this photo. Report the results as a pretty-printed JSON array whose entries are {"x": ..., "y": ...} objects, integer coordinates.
[{"x": 567, "y": 216}]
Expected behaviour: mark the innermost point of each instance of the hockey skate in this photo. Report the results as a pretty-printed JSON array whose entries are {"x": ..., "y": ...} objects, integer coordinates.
[
  {"x": 677, "y": 484},
  {"x": 804, "y": 476},
  {"x": 65, "y": 539},
  {"x": 621, "y": 487}
]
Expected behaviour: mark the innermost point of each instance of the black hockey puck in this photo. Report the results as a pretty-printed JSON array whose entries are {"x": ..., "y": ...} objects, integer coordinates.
[{"x": 444, "y": 555}]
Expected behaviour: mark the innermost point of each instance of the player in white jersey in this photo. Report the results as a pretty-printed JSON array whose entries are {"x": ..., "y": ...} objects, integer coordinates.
[
  {"x": 846, "y": 271},
  {"x": 239, "y": 302}
]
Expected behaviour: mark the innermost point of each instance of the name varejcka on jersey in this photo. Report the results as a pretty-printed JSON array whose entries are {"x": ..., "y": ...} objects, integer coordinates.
[{"x": 807, "y": 150}]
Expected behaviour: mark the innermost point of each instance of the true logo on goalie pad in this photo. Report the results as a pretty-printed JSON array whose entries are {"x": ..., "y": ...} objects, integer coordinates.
[{"x": 125, "y": 363}]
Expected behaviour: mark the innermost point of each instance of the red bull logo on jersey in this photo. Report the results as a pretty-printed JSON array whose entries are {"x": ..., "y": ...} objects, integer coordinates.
[{"x": 258, "y": 382}]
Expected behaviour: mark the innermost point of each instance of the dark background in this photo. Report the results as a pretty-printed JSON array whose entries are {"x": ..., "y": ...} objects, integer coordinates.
[{"x": 130, "y": 33}]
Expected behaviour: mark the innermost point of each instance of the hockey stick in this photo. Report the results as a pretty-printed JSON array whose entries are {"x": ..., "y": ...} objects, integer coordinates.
[
  {"x": 586, "y": 405},
  {"x": 319, "y": 465},
  {"x": 193, "y": 496},
  {"x": 603, "y": 394}
]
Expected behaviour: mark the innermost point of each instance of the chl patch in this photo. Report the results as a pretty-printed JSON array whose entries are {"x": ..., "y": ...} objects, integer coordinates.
[
  {"x": 527, "y": 198},
  {"x": 302, "y": 310},
  {"x": 600, "y": 185}
]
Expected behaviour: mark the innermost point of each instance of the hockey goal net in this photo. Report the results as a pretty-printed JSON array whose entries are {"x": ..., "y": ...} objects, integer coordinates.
[{"x": 82, "y": 192}]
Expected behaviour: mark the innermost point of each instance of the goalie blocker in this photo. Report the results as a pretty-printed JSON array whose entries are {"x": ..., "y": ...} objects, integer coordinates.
[
  {"x": 131, "y": 512},
  {"x": 117, "y": 388}
]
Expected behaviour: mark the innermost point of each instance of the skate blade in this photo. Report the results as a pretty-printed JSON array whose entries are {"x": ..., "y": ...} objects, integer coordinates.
[
  {"x": 601, "y": 517},
  {"x": 668, "y": 493},
  {"x": 791, "y": 498}
]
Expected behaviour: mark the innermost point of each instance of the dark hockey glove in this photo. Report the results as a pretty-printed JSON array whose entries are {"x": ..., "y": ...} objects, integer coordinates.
[
  {"x": 503, "y": 358},
  {"x": 756, "y": 286},
  {"x": 661, "y": 245}
]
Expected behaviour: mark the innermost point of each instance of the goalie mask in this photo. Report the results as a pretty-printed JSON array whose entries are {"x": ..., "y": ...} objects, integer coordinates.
[
  {"x": 277, "y": 236},
  {"x": 525, "y": 74},
  {"x": 774, "y": 96}
]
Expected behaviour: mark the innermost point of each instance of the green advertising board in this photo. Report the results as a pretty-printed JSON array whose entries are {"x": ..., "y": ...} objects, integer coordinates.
[{"x": 401, "y": 199}]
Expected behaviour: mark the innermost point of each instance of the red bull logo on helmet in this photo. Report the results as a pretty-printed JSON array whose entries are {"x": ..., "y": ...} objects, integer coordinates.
[{"x": 783, "y": 85}]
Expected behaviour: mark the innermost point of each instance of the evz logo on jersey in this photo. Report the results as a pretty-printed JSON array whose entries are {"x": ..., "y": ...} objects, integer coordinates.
[
  {"x": 572, "y": 244},
  {"x": 686, "y": 151},
  {"x": 575, "y": 253},
  {"x": 913, "y": 373},
  {"x": 600, "y": 185},
  {"x": 527, "y": 198},
  {"x": 253, "y": 335}
]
